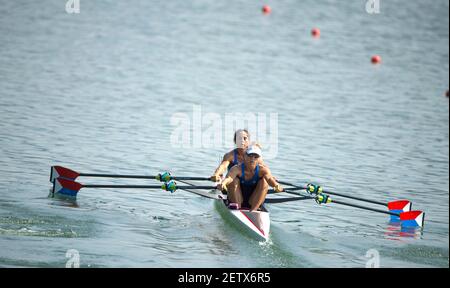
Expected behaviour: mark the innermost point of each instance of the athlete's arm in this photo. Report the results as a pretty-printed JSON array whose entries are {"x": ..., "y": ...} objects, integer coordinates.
[
  {"x": 271, "y": 180},
  {"x": 234, "y": 172},
  {"x": 222, "y": 168}
]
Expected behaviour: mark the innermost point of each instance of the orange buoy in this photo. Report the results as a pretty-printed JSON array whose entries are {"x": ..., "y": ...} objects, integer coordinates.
[
  {"x": 266, "y": 9},
  {"x": 315, "y": 32},
  {"x": 376, "y": 59}
]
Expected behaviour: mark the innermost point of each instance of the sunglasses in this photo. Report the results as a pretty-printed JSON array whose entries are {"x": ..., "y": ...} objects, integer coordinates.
[{"x": 253, "y": 155}]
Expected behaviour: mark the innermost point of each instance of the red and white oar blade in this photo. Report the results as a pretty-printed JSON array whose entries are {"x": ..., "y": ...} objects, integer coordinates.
[
  {"x": 399, "y": 207},
  {"x": 66, "y": 187},
  {"x": 412, "y": 219},
  {"x": 59, "y": 171}
]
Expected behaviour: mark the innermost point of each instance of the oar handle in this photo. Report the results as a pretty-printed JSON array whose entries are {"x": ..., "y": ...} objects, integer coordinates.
[
  {"x": 293, "y": 189},
  {"x": 283, "y": 200},
  {"x": 292, "y": 185}
]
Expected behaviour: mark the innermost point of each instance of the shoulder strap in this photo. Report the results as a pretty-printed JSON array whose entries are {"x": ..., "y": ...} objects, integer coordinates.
[{"x": 256, "y": 176}]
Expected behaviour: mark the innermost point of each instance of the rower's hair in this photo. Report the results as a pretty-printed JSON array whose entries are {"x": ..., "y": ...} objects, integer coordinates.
[{"x": 240, "y": 130}]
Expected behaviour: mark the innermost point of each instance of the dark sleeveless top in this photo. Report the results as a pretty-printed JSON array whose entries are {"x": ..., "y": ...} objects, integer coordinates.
[
  {"x": 248, "y": 186},
  {"x": 235, "y": 160}
]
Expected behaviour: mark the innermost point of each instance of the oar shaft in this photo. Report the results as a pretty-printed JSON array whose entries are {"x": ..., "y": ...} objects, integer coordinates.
[
  {"x": 365, "y": 208},
  {"x": 192, "y": 178},
  {"x": 283, "y": 200},
  {"x": 356, "y": 198},
  {"x": 123, "y": 186},
  {"x": 146, "y": 186},
  {"x": 139, "y": 176},
  {"x": 117, "y": 176},
  {"x": 291, "y": 191},
  {"x": 339, "y": 194},
  {"x": 347, "y": 204}
]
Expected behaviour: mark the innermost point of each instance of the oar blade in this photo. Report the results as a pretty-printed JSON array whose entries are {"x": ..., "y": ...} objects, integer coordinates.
[
  {"x": 63, "y": 172},
  {"x": 413, "y": 219},
  {"x": 399, "y": 207},
  {"x": 66, "y": 187}
]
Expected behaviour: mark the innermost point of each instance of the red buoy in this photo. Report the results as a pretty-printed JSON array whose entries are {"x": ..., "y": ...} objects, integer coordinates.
[
  {"x": 315, "y": 32},
  {"x": 266, "y": 9},
  {"x": 376, "y": 59}
]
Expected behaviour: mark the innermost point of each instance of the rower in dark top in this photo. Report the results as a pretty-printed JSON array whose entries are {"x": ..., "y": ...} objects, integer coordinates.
[
  {"x": 248, "y": 186},
  {"x": 234, "y": 157},
  {"x": 253, "y": 180}
]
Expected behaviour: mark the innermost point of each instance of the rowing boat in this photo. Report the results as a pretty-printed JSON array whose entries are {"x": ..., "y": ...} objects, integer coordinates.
[{"x": 255, "y": 224}]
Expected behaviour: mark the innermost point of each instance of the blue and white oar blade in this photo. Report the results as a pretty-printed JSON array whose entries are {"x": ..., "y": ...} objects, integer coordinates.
[
  {"x": 399, "y": 207},
  {"x": 412, "y": 219},
  {"x": 66, "y": 187}
]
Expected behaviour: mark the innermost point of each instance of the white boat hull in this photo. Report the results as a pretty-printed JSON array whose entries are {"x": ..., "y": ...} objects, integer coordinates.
[{"x": 255, "y": 224}]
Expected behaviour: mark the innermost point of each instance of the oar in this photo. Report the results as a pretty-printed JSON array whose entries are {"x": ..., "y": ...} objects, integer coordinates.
[
  {"x": 407, "y": 218},
  {"x": 397, "y": 206},
  {"x": 70, "y": 188},
  {"x": 284, "y": 200},
  {"x": 63, "y": 172}
]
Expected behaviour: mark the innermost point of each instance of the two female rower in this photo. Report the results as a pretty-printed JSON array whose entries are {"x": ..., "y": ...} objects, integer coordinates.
[{"x": 251, "y": 181}]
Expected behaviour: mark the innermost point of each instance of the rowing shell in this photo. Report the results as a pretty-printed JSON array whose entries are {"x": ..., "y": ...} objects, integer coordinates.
[{"x": 255, "y": 224}]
